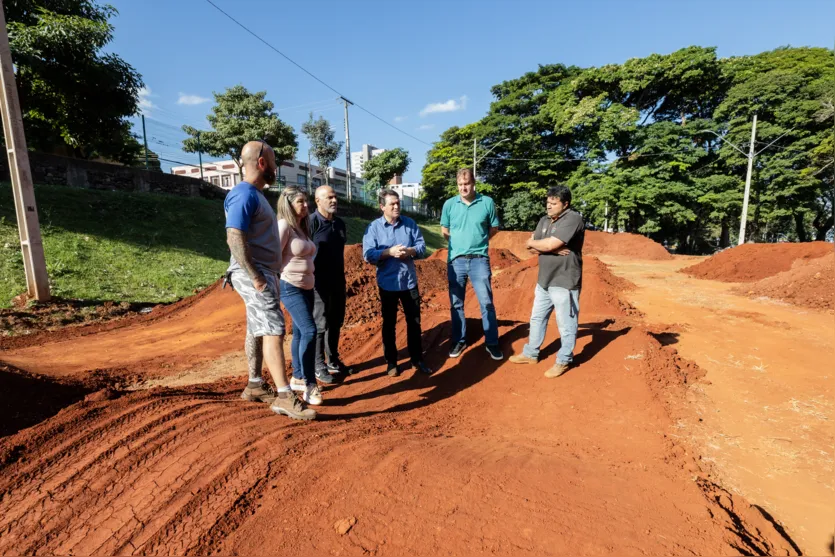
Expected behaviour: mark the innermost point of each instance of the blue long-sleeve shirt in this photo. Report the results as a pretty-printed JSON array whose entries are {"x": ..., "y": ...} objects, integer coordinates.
[{"x": 393, "y": 274}]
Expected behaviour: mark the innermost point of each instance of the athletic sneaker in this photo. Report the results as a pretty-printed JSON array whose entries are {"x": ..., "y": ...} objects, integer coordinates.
[
  {"x": 393, "y": 370},
  {"x": 458, "y": 349},
  {"x": 324, "y": 377},
  {"x": 264, "y": 393},
  {"x": 337, "y": 368},
  {"x": 522, "y": 359},
  {"x": 423, "y": 368},
  {"x": 494, "y": 351},
  {"x": 298, "y": 385},
  {"x": 287, "y": 404},
  {"x": 312, "y": 395},
  {"x": 557, "y": 370}
]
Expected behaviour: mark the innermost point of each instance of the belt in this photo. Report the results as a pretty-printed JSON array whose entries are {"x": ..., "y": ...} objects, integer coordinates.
[{"x": 471, "y": 256}]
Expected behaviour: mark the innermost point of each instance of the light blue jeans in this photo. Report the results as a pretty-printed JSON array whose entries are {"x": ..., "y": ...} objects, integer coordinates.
[
  {"x": 477, "y": 270},
  {"x": 567, "y": 305}
]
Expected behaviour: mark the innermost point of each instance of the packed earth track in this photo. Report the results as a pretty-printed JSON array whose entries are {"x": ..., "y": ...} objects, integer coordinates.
[{"x": 481, "y": 457}]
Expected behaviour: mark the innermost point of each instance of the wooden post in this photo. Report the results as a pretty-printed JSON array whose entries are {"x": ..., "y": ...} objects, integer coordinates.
[{"x": 34, "y": 262}]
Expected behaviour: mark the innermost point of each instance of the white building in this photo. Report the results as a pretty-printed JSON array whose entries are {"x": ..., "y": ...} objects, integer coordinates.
[
  {"x": 225, "y": 174},
  {"x": 358, "y": 158}
]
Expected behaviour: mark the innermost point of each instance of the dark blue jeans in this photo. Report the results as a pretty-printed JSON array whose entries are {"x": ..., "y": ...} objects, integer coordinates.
[
  {"x": 299, "y": 303},
  {"x": 477, "y": 270}
]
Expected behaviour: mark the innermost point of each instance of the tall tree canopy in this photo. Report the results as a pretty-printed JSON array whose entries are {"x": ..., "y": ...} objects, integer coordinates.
[
  {"x": 322, "y": 145},
  {"x": 238, "y": 117},
  {"x": 380, "y": 170},
  {"x": 75, "y": 99},
  {"x": 649, "y": 144}
]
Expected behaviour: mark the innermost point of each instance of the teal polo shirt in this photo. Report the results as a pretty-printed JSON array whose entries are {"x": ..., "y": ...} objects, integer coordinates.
[{"x": 469, "y": 225}]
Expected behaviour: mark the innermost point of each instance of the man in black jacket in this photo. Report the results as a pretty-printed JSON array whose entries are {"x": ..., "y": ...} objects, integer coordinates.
[{"x": 329, "y": 234}]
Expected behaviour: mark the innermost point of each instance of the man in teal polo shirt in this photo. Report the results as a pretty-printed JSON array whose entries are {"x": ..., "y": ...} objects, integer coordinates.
[{"x": 468, "y": 221}]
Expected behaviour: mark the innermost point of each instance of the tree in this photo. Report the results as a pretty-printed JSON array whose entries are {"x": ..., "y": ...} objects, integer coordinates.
[
  {"x": 75, "y": 99},
  {"x": 237, "y": 118},
  {"x": 380, "y": 170},
  {"x": 322, "y": 144},
  {"x": 521, "y": 211}
]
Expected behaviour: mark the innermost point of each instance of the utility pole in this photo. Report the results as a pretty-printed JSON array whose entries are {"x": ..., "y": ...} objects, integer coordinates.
[
  {"x": 145, "y": 140},
  {"x": 347, "y": 146},
  {"x": 307, "y": 187},
  {"x": 23, "y": 190},
  {"x": 200, "y": 156},
  {"x": 747, "y": 183}
]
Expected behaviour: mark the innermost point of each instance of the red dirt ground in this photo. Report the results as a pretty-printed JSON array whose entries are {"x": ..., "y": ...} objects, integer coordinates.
[
  {"x": 481, "y": 457},
  {"x": 596, "y": 243},
  {"x": 753, "y": 262},
  {"x": 809, "y": 283}
]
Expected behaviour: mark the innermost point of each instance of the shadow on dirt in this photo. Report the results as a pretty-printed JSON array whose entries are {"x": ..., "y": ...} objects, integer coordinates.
[{"x": 29, "y": 399}]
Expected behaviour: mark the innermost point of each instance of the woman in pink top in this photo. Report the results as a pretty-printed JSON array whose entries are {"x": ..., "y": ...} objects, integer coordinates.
[{"x": 297, "y": 253}]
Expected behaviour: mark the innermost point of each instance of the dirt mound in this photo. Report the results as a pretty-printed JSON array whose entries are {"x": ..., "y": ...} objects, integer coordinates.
[
  {"x": 596, "y": 243},
  {"x": 809, "y": 283},
  {"x": 624, "y": 244},
  {"x": 500, "y": 258},
  {"x": 363, "y": 303},
  {"x": 752, "y": 262}
]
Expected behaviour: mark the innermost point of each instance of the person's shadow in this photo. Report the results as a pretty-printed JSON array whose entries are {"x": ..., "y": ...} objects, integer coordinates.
[
  {"x": 601, "y": 337},
  {"x": 473, "y": 366}
]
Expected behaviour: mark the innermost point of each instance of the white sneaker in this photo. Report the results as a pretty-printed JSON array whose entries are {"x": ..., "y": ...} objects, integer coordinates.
[
  {"x": 298, "y": 384},
  {"x": 312, "y": 395}
]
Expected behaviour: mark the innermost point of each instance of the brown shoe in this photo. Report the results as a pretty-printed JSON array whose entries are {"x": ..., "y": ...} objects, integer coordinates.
[
  {"x": 287, "y": 404},
  {"x": 556, "y": 371},
  {"x": 522, "y": 359},
  {"x": 264, "y": 393}
]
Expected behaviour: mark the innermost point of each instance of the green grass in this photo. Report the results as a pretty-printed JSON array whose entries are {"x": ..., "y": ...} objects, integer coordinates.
[{"x": 103, "y": 245}]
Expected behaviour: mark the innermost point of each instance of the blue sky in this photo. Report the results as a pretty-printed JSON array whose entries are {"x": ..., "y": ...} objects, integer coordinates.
[{"x": 397, "y": 58}]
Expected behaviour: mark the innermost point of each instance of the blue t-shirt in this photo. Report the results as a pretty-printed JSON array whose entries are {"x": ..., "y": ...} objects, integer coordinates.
[
  {"x": 393, "y": 274},
  {"x": 248, "y": 210}
]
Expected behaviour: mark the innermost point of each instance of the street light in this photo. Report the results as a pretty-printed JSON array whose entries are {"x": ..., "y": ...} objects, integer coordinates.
[{"x": 475, "y": 161}]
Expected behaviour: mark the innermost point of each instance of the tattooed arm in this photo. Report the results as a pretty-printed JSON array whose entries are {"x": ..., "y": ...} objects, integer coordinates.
[{"x": 240, "y": 251}]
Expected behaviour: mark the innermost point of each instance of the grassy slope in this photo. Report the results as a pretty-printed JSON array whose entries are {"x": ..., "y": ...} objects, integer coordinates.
[{"x": 103, "y": 245}]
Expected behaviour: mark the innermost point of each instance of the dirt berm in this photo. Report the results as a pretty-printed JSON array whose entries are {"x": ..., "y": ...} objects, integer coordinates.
[{"x": 752, "y": 262}]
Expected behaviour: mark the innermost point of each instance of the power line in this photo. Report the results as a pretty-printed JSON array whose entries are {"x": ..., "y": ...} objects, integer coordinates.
[{"x": 302, "y": 68}]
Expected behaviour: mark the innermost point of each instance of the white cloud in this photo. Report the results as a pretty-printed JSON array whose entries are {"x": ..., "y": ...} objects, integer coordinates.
[
  {"x": 191, "y": 99},
  {"x": 400, "y": 118},
  {"x": 452, "y": 105},
  {"x": 145, "y": 103},
  {"x": 426, "y": 127}
]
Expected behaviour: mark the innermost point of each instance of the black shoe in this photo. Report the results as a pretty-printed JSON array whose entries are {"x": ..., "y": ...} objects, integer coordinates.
[
  {"x": 338, "y": 367},
  {"x": 324, "y": 377},
  {"x": 494, "y": 351},
  {"x": 393, "y": 370},
  {"x": 423, "y": 368},
  {"x": 458, "y": 349}
]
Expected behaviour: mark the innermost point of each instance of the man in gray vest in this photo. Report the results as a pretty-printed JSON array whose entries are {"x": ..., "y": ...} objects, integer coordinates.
[
  {"x": 252, "y": 235},
  {"x": 558, "y": 240}
]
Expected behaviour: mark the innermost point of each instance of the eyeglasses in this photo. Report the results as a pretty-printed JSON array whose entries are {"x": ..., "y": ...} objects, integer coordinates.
[{"x": 261, "y": 151}]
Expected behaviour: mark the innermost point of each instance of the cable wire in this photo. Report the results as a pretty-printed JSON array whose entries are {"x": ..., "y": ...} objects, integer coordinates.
[{"x": 302, "y": 68}]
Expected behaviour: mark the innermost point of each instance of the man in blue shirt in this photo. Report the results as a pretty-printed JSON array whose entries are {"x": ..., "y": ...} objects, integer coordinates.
[
  {"x": 252, "y": 235},
  {"x": 468, "y": 221},
  {"x": 392, "y": 242}
]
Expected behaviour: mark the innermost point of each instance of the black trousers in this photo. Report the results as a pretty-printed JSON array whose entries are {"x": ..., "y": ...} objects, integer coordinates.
[
  {"x": 329, "y": 315},
  {"x": 410, "y": 299}
]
